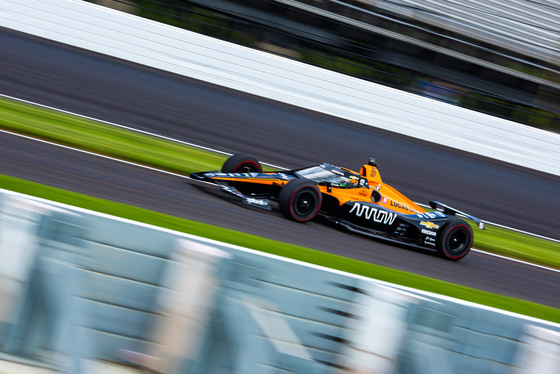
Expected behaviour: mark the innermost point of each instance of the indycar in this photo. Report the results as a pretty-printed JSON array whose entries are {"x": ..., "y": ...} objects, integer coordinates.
[{"x": 358, "y": 201}]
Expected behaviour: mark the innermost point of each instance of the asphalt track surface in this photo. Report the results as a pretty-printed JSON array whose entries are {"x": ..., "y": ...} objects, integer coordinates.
[{"x": 120, "y": 92}]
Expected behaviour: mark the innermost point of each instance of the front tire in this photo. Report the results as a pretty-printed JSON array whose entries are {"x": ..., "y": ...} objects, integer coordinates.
[
  {"x": 241, "y": 163},
  {"x": 300, "y": 200},
  {"x": 455, "y": 240}
]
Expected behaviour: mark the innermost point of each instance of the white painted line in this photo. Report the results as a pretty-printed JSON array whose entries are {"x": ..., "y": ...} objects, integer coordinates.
[
  {"x": 115, "y": 124},
  {"x": 515, "y": 260},
  {"x": 129, "y": 128},
  {"x": 521, "y": 231},
  {"x": 93, "y": 154}
]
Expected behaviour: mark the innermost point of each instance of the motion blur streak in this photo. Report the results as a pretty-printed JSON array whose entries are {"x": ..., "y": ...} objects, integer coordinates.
[{"x": 97, "y": 294}]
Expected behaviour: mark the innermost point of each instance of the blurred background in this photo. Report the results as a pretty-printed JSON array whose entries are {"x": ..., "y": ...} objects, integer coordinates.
[{"x": 494, "y": 57}]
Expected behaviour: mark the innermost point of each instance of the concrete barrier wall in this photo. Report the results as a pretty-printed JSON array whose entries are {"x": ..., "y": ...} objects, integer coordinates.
[
  {"x": 91, "y": 286},
  {"x": 131, "y": 38}
]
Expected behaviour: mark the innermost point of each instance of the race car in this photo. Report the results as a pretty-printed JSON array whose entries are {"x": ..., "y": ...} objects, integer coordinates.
[{"x": 357, "y": 201}]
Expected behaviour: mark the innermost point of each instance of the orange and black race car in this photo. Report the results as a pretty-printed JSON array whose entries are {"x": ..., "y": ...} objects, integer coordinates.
[{"x": 358, "y": 201}]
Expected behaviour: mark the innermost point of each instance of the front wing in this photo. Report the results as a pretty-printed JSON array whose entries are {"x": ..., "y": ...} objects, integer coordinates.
[{"x": 257, "y": 202}]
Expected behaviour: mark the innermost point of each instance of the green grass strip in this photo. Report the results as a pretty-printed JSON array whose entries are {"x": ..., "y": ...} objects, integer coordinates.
[
  {"x": 281, "y": 249},
  {"x": 516, "y": 245},
  {"x": 104, "y": 139},
  {"x": 167, "y": 155}
]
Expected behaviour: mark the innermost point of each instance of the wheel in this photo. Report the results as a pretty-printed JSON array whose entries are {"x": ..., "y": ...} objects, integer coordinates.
[
  {"x": 455, "y": 240},
  {"x": 300, "y": 200},
  {"x": 241, "y": 163}
]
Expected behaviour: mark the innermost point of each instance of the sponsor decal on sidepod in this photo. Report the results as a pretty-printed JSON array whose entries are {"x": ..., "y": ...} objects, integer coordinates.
[
  {"x": 399, "y": 205},
  {"x": 429, "y": 225},
  {"x": 428, "y": 232},
  {"x": 369, "y": 212}
]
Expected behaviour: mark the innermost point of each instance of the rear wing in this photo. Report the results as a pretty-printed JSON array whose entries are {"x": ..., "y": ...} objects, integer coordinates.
[{"x": 446, "y": 209}]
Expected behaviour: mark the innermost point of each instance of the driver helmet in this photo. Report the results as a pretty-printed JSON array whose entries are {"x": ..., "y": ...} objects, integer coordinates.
[{"x": 348, "y": 182}]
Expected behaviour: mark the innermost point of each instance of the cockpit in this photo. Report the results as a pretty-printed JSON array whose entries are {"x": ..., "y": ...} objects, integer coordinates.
[{"x": 333, "y": 175}]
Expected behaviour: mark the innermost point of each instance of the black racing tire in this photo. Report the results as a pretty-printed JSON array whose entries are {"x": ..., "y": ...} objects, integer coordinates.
[
  {"x": 455, "y": 239},
  {"x": 300, "y": 200},
  {"x": 241, "y": 163}
]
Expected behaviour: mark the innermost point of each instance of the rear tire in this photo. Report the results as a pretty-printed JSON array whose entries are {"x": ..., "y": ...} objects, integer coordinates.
[
  {"x": 300, "y": 200},
  {"x": 241, "y": 163},
  {"x": 455, "y": 240}
]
